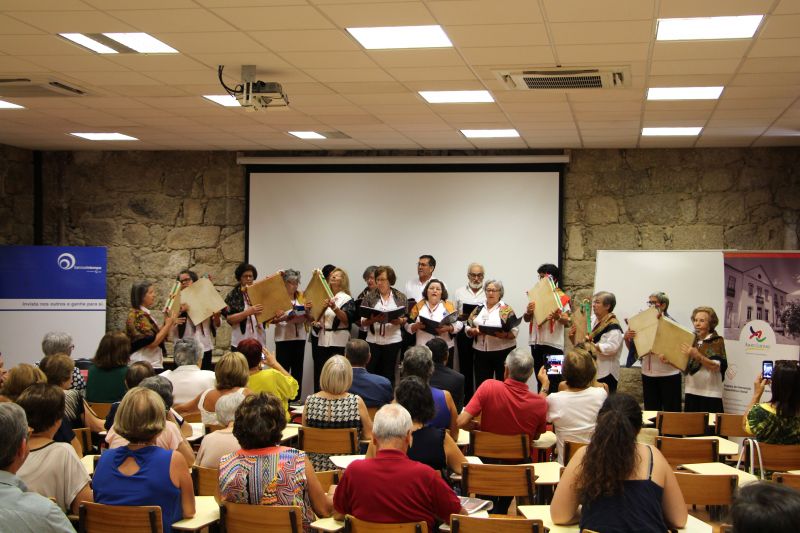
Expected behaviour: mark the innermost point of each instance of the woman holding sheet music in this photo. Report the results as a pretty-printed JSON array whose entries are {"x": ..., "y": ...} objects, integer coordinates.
[
  {"x": 185, "y": 328},
  {"x": 707, "y": 364},
  {"x": 335, "y": 322},
  {"x": 147, "y": 337},
  {"x": 383, "y": 335},
  {"x": 492, "y": 347},
  {"x": 434, "y": 308},
  {"x": 291, "y": 329},
  {"x": 240, "y": 314}
]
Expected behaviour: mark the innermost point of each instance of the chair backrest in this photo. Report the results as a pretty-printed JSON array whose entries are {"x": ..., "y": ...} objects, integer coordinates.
[
  {"x": 687, "y": 451},
  {"x": 318, "y": 440},
  {"x": 211, "y": 428},
  {"x": 681, "y": 424},
  {"x": 790, "y": 480},
  {"x": 495, "y": 446},
  {"x": 571, "y": 448},
  {"x": 705, "y": 489},
  {"x": 246, "y": 518},
  {"x": 100, "y": 409},
  {"x": 327, "y": 478},
  {"x": 354, "y": 525},
  {"x": 205, "y": 480},
  {"x": 499, "y": 480},
  {"x": 470, "y": 524},
  {"x": 729, "y": 426},
  {"x": 780, "y": 457},
  {"x": 372, "y": 411},
  {"x": 193, "y": 418},
  {"x": 726, "y": 528},
  {"x": 84, "y": 436},
  {"x": 99, "y": 518}
]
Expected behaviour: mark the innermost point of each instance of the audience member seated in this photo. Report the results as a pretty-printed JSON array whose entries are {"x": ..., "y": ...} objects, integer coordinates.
[
  {"x": 55, "y": 342},
  {"x": 52, "y": 469},
  {"x": 137, "y": 372},
  {"x": 444, "y": 377},
  {"x": 188, "y": 380},
  {"x": 20, "y": 378},
  {"x": 142, "y": 473},
  {"x": 274, "y": 379},
  {"x": 21, "y": 510},
  {"x": 58, "y": 369},
  {"x": 334, "y": 408},
  {"x": 232, "y": 374},
  {"x": 778, "y": 421},
  {"x": 263, "y": 472},
  {"x": 766, "y": 507},
  {"x": 374, "y": 389},
  {"x": 171, "y": 438},
  {"x": 573, "y": 411},
  {"x": 417, "y": 361},
  {"x": 621, "y": 484},
  {"x": 106, "y": 383},
  {"x": 390, "y": 487},
  {"x": 220, "y": 442}
]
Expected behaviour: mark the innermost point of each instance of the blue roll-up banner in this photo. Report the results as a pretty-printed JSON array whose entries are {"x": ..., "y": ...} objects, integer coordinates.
[{"x": 51, "y": 288}]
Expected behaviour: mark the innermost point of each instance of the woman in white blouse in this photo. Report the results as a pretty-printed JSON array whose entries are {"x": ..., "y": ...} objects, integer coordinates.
[
  {"x": 434, "y": 306},
  {"x": 383, "y": 336},
  {"x": 291, "y": 329},
  {"x": 491, "y": 349},
  {"x": 334, "y": 322}
]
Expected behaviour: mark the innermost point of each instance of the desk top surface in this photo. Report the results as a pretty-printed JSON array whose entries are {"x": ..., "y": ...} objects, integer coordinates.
[{"x": 206, "y": 513}]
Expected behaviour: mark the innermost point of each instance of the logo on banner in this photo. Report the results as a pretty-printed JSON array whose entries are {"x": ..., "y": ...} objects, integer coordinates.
[
  {"x": 757, "y": 337},
  {"x": 66, "y": 261}
]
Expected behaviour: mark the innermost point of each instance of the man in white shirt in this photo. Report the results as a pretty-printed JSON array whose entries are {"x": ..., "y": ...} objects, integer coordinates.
[
  {"x": 425, "y": 267},
  {"x": 187, "y": 379},
  {"x": 471, "y": 294}
]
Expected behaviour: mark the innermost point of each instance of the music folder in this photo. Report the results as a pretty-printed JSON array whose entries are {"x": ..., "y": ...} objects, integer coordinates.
[
  {"x": 391, "y": 314},
  {"x": 508, "y": 326},
  {"x": 659, "y": 335},
  {"x": 431, "y": 325}
]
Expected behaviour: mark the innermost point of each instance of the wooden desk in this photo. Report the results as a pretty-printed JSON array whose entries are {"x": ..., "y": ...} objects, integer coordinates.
[
  {"x": 326, "y": 524},
  {"x": 88, "y": 463},
  {"x": 463, "y": 437},
  {"x": 547, "y": 473},
  {"x": 343, "y": 461},
  {"x": 649, "y": 418},
  {"x": 542, "y": 512},
  {"x": 720, "y": 468},
  {"x": 297, "y": 409},
  {"x": 726, "y": 447},
  {"x": 198, "y": 431},
  {"x": 206, "y": 513},
  {"x": 289, "y": 432}
]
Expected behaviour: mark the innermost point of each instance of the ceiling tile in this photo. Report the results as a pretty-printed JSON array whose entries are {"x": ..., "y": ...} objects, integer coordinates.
[
  {"x": 73, "y": 21},
  {"x": 526, "y": 56},
  {"x": 274, "y": 18},
  {"x": 87, "y": 62},
  {"x": 432, "y": 74},
  {"x": 172, "y": 20},
  {"x": 375, "y": 15},
  {"x": 579, "y": 10},
  {"x": 45, "y": 5},
  {"x": 770, "y": 64},
  {"x": 459, "y": 12},
  {"x": 706, "y": 66},
  {"x": 38, "y": 45},
  {"x": 775, "y": 48},
  {"x": 787, "y": 7},
  {"x": 412, "y": 58},
  {"x": 323, "y": 60},
  {"x": 211, "y": 42},
  {"x": 675, "y": 50},
  {"x": 348, "y": 75},
  {"x": 712, "y": 8},
  {"x": 158, "y": 62},
  {"x": 485, "y": 35},
  {"x": 10, "y": 26},
  {"x": 580, "y": 55},
  {"x": 631, "y": 31},
  {"x": 304, "y": 40},
  {"x": 781, "y": 27}
]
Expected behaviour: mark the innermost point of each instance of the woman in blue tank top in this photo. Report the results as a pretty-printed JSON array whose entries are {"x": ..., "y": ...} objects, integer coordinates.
[
  {"x": 142, "y": 473},
  {"x": 623, "y": 486},
  {"x": 418, "y": 361}
]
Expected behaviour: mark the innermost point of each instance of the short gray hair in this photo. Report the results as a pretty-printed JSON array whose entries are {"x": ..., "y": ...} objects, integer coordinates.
[
  {"x": 226, "y": 408},
  {"x": 497, "y": 283},
  {"x": 14, "y": 426},
  {"x": 187, "y": 352},
  {"x": 606, "y": 298},
  {"x": 291, "y": 274},
  {"x": 160, "y": 385},
  {"x": 662, "y": 298},
  {"x": 469, "y": 267},
  {"x": 392, "y": 421},
  {"x": 418, "y": 361},
  {"x": 519, "y": 364},
  {"x": 56, "y": 342}
]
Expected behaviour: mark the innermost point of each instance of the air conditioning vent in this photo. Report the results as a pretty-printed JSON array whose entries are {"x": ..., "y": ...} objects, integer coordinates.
[
  {"x": 31, "y": 88},
  {"x": 566, "y": 78}
]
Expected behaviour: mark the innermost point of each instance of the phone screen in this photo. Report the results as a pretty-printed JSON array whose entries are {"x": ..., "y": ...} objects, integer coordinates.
[
  {"x": 554, "y": 364},
  {"x": 766, "y": 369}
]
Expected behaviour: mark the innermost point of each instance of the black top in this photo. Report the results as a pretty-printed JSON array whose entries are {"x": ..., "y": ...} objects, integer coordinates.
[
  {"x": 428, "y": 447},
  {"x": 448, "y": 379},
  {"x": 636, "y": 509}
]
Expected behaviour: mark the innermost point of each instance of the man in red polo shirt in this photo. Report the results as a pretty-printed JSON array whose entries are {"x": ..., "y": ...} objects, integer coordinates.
[
  {"x": 507, "y": 407},
  {"x": 391, "y": 488}
]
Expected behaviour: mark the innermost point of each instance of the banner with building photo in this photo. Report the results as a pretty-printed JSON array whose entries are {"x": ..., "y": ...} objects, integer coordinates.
[
  {"x": 51, "y": 288},
  {"x": 761, "y": 319}
]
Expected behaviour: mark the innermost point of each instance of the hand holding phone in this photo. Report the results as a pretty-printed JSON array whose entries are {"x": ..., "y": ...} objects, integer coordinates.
[
  {"x": 766, "y": 369},
  {"x": 554, "y": 364}
]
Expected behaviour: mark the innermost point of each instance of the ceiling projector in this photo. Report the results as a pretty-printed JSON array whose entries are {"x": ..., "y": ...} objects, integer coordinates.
[{"x": 257, "y": 95}]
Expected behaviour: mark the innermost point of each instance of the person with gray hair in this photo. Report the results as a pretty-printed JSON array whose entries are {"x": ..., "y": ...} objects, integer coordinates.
[
  {"x": 390, "y": 487},
  {"x": 220, "y": 442},
  {"x": 21, "y": 510},
  {"x": 291, "y": 330},
  {"x": 55, "y": 342},
  {"x": 418, "y": 361},
  {"x": 605, "y": 339},
  {"x": 185, "y": 328},
  {"x": 188, "y": 380},
  {"x": 467, "y": 298}
]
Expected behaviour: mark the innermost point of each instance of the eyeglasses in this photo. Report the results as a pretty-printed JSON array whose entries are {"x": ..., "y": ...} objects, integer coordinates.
[
  {"x": 492, "y": 290},
  {"x": 652, "y": 304},
  {"x": 185, "y": 280},
  {"x": 473, "y": 275},
  {"x": 423, "y": 265}
]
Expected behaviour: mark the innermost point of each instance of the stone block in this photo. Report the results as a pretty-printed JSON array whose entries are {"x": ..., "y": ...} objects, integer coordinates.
[
  {"x": 158, "y": 236},
  {"x": 667, "y": 179},
  {"x": 572, "y": 212},
  {"x": 193, "y": 237},
  {"x": 218, "y": 212},
  {"x": 211, "y": 256},
  {"x": 716, "y": 179},
  {"x": 721, "y": 208},
  {"x": 758, "y": 197},
  {"x": 574, "y": 243},
  {"x": 653, "y": 208},
  {"x": 611, "y": 237},
  {"x": 136, "y": 234},
  {"x": 687, "y": 209},
  {"x": 788, "y": 197},
  {"x": 180, "y": 182},
  {"x": 154, "y": 209},
  {"x": 578, "y": 273},
  {"x": 233, "y": 247},
  {"x": 601, "y": 210},
  {"x": 193, "y": 211},
  {"x": 164, "y": 265},
  {"x": 697, "y": 237},
  {"x": 100, "y": 232},
  {"x": 720, "y": 157},
  {"x": 578, "y": 184},
  {"x": 218, "y": 185},
  {"x": 121, "y": 261},
  {"x": 655, "y": 237}
]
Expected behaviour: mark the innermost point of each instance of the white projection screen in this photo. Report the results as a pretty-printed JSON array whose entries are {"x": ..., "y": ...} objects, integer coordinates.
[{"x": 508, "y": 220}]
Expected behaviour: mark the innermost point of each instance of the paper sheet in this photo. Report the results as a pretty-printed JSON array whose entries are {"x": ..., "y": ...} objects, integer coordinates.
[
  {"x": 201, "y": 299},
  {"x": 545, "y": 298},
  {"x": 271, "y": 293},
  {"x": 317, "y": 292}
]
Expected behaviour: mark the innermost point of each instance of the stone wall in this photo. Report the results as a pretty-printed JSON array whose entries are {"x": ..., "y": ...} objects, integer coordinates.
[{"x": 16, "y": 195}]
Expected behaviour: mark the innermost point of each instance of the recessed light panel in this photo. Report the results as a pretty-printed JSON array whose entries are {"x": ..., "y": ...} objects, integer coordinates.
[
  {"x": 671, "y": 132},
  {"x": 87, "y": 42},
  {"x": 392, "y": 37},
  {"x": 456, "y": 97},
  {"x": 306, "y": 134},
  {"x": 684, "y": 93},
  {"x": 223, "y": 100},
  {"x": 105, "y": 136},
  {"x": 142, "y": 43},
  {"x": 9, "y": 105},
  {"x": 743, "y": 27},
  {"x": 489, "y": 134}
]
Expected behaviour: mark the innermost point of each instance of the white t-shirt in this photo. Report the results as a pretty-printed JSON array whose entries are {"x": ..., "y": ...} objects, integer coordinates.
[
  {"x": 542, "y": 335},
  {"x": 252, "y": 330},
  {"x": 54, "y": 471},
  {"x": 704, "y": 382},
  {"x": 188, "y": 381},
  {"x": 574, "y": 415},
  {"x": 384, "y": 333},
  {"x": 341, "y": 336},
  {"x": 437, "y": 313},
  {"x": 293, "y": 329},
  {"x": 490, "y": 343},
  {"x": 464, "y": 295}
]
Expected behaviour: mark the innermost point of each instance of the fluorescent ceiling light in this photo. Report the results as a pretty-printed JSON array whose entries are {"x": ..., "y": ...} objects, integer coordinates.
[
  {"x": 142, "y": 43},
  {"x": 223, "y": 100},
  {"x": 456, "y": 97},
  {"x": 307, "y": 134},
  {"x": 743, "y": 27},
  {"x": 684, "y": 93},
  {"x": 389, "y": 37},
  {"x": 105, "y": 136},
  {"x": 667, "y": 132},
  {"x": 9, "y": 105},
  {"x": 488, "y": 134},
  {"x": 86, "y": 42}
]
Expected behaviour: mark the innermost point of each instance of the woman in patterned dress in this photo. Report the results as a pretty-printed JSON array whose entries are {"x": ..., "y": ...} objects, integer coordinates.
[
  {"x": 776, "y": 421},
  {"x": 265, "y": 473},
  {"x": 333, "y": 407}
]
